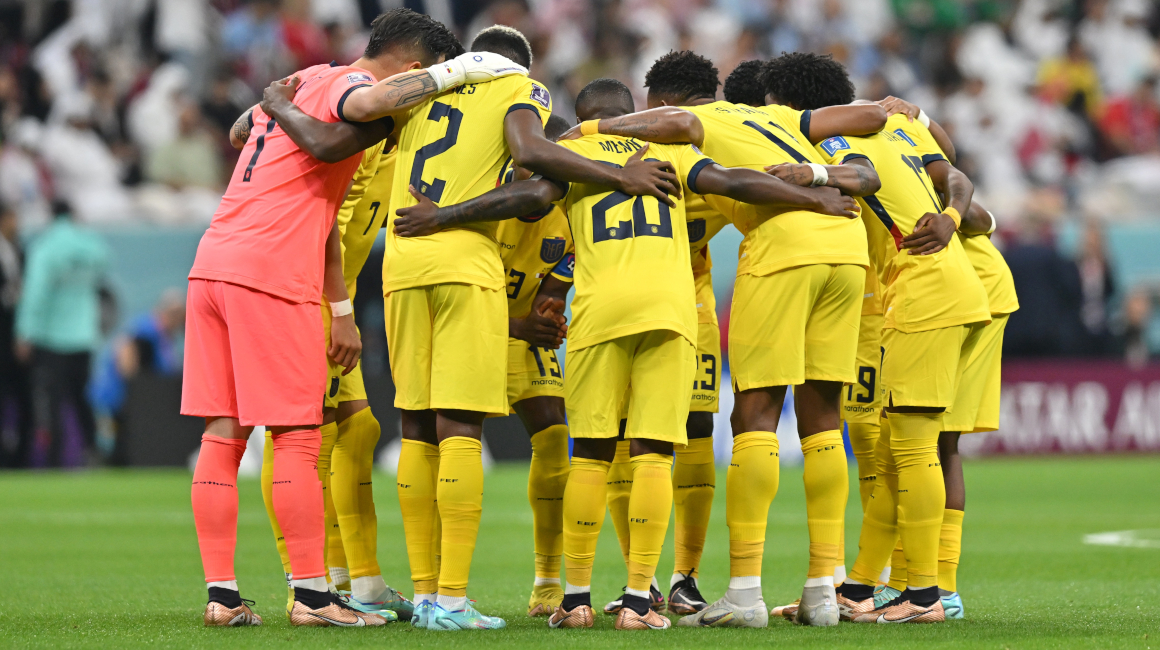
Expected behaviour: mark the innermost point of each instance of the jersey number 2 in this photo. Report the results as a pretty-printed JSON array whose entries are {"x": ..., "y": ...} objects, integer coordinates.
[{"x": 434, "y": 189}]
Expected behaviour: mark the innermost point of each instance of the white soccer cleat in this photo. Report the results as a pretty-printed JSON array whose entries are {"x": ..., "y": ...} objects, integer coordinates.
[
  {"x": 726, "y": 614},
  {"x": 818, "y": 607}
]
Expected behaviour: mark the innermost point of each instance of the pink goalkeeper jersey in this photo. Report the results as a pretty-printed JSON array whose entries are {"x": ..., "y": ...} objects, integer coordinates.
[{"x": 269, "y": 233}]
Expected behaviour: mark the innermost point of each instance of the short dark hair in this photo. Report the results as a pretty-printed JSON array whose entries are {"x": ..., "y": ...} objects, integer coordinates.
[
  {"x": 807, "y": 81},
  {"x": 604, "y": 96},
  {"x": 423, "y": 37},
  {"x": 555, "y": 127},
  {"x": 505, "y": 41},
  {"x": 683, "y": 75},
  {"x": 743, "y": 85}
]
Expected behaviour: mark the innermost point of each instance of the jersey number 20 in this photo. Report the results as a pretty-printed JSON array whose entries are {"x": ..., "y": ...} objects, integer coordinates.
[{"x": 638, "y": 227}]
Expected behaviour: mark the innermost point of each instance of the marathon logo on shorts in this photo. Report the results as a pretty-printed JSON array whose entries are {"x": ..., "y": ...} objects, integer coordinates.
[
  {"x": 552, "y": 249},
  {"x": 359, "y": 78},
  {"x": 541, "y": 96},
  {"x": 696, "y": 230},
  {"x": 835, "y": 144}
]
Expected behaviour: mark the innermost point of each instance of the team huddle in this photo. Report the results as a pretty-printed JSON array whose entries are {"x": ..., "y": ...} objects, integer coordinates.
[{"x": 866, "y": 280}]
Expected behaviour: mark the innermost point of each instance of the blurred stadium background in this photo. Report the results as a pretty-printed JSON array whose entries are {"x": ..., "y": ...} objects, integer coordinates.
[{"x": 119, "y": 111}]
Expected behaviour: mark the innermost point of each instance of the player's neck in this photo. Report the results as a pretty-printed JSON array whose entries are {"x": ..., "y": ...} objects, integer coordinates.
[
  {"x": 372, "y": 66},
  {"x": 700, "y": 101}
]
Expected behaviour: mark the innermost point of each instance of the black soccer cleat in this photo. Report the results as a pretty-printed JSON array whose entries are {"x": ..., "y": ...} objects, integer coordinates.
[{"x": 685, "y": 598}]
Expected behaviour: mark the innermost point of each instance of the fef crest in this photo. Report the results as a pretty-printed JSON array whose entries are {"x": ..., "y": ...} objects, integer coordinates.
[
  {"x": 696, "y": 230},
  {"x": 552, "y": 249}
]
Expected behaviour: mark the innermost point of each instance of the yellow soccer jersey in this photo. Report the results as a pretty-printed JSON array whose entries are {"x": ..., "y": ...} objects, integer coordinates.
[
  {"x": 451, "y": 149},
  {"x": 364, "y": 210},
  {"x": 532, "y": 248},
  {"x": 703, "y": 224},
  {"x": 744, "y": 136},
  {"x": 987, "y": 261},
  {"x": 922, "y": 292},
  {"x": 992, "y": 269},
  {"x": 872, "y": 299},
  {"x": 633, "y": 272}
]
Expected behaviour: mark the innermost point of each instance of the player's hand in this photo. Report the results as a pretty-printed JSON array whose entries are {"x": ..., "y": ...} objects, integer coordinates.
[
  {"x": 277, "y": 94},
  {"x": 932, "y": 233},
  {"x": 894, "y": 105},
  {"x": 831, "y": 201},
  {"x": 345, "y": 344},
  {"x": 419, "y": 220},
  {"x": 544, "y": 327},
  {"x": 485, "y": 66},
  {"x": 794, "y": 174},
  {"x": 571, "y": 134},
  {"x": 654, "y": 178}
]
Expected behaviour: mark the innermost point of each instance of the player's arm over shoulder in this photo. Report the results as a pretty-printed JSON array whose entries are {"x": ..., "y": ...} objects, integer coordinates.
[
  {"x": 329, "y": 142},
  {"x": 851, "y": 119},
  {"x": 663, "y": 125}
]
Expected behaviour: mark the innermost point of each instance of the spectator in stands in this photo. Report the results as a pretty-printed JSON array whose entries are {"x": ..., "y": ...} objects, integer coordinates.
[
  {"x": 15, "y": 411},
  {"x": 1137, "y": 316},
  {"x": 1131, "y": 122},
  {"x": 85, "y": 171},
  {"x": 58, "y": 326},
  {"x": 189, "y": 160},
  {"x": 148, "y": 346},
  {"x": 1072, "y": 80},
  {"x": 25, "y": 180},
  {"x": 1098, "y": 286}
]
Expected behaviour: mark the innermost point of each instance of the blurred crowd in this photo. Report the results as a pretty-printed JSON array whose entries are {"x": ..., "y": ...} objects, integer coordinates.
[
  {"x": 118, "y": 111},
  {"x": 122, "y": 107}
]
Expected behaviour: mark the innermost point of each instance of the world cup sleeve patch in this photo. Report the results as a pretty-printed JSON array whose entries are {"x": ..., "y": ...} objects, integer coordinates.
[
  {"x": 835, "y": 144},
  {"x": 540, "y": 95},
  {"x": 359, "y": 78},
  {"x": 552, "y": 249}
]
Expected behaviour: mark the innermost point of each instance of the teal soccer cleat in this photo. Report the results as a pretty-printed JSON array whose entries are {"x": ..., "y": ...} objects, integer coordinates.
[
  {"x": 952, "y": 603},
  {"x": 463, "y": 619},
  {"x": 422, "y": 614},
  {"x": 389, "y": 604},
  {"x": 884, "y": 594}
]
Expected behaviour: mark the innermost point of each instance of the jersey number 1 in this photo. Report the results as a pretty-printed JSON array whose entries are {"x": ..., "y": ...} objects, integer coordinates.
[{"x": 434, "y": 189}]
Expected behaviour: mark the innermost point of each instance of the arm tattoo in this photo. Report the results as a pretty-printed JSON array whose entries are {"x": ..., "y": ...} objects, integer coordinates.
[
  {"x": 243, "y": 125},
  {"x": 472, "y": 211},
  {"x": 863, "y": 180},
  {"x": 408, "y": 89}
]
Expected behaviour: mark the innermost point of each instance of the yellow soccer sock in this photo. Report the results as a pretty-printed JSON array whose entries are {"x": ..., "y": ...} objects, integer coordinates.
[
  {"x": 880, "y": 521},
  {"x": 416, "y": 481},
  {"x": 460, "y": 500},
  {"x": 333, "y": 553},
  {"x": 827, "y": 486},
  {"x": 547, "y": 477},
  {"x": 694, "y": 480},
  {"x": 584, "y": 499},
  {"x": 619, "y": 489},
  {"x": 648, "y": 516},
  {"x": 350, "y": 468},
  {"x": 268, "y": 498},
  {"x": 897, "y": 567},
  {"x": 921, "y": 493},
  {"x": 750, "y": 488},
  {"x": 949, "y": 549},
  {"x": 862, "y": 439}
]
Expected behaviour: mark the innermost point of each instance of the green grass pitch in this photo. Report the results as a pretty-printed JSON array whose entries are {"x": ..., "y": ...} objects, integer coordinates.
[{"x": 109, "y": 559}]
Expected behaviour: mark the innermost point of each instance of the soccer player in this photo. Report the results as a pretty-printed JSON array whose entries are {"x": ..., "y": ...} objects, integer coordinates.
[
  {"x": 533, "y": 248},
  {"x": 936, "y": 309},
  {"x": 446, "y": 311},
  {"x": 251, "y": 270},
  {"x": 634, "y": 324},
  {"x": 976, "y": 404},
  {"x": 794, "y": 317},
  {"x": 351, "y": 519}
]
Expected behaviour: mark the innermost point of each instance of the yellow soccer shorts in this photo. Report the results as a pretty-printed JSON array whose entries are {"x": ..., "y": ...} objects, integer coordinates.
[
  {"x": 657, "y": 364},
  {"x": 532, "y": 372},
  {"x": 976, "y": 406},
  {"x": 340, "y": 388},
  {"x": 448, "y": 347},
  {"x": 797, "y": 324},
  {"x": 924, "y": 368},
  {"x": 862, "y": 400},
  {"x": 707, "y": 380}
]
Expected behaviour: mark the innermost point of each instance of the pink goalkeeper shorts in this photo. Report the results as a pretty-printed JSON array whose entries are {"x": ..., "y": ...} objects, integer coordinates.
[{"x": 252, "y": 356}]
